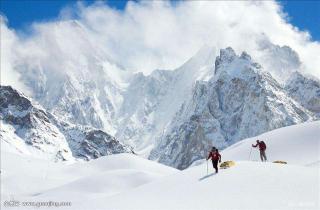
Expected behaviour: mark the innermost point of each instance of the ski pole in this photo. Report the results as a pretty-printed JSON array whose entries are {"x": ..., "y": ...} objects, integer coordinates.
[
  {"x": 250, "y": 154},
  {"x": 207, "y": 167}
]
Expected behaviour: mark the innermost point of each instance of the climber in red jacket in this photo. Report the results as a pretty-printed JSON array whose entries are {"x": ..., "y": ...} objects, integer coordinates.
[
  {"x": 215, "y": 157},
  {"x": 262, "y": 148}
]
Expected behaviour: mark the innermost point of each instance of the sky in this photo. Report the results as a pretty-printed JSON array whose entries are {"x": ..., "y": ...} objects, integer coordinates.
[{"x": 20, "y": 13}]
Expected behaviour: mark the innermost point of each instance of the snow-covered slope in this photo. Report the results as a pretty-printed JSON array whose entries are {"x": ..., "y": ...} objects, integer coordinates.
[
  {"x": 296, "y": 144},
  {"x": 248, "y": 185},
  {"x": 129, "y": 182},
  {"x": 240, "y": 101},
  {"x": 36, "y": 178}
]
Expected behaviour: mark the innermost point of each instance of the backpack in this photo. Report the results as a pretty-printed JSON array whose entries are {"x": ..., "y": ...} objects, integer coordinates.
[{"x": 263, "y": 145}]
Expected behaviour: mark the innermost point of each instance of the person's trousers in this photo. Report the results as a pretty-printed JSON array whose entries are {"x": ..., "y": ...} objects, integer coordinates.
[
  {"x": 215, "y": 165},
  {"x": 263, "y": 155}
]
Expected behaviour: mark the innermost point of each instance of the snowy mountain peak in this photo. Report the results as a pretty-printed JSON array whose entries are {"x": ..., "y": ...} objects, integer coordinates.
[
  {"x": 238, "y": 66},
  {"x": 245, "y": 55},
  {"x": 280, "y": 61},
  {"x": 226, "y": 56}
]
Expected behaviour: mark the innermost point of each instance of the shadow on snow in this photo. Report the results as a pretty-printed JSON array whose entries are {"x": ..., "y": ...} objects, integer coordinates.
[{"x": 207, "y": 176}]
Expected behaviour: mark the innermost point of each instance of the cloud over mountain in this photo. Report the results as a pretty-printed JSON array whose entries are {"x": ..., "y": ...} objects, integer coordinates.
[{"x": 148, "y": 35}]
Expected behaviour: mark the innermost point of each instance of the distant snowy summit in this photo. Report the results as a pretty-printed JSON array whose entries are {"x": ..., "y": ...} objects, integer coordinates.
[{"x": 28, "y": 128}]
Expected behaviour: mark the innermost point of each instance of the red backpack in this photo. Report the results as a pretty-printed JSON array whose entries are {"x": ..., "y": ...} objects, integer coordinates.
[{"x": 262, "y": 145}]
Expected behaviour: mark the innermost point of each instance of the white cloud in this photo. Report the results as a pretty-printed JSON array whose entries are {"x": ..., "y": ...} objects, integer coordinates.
[
  {"x": 149, "y": 35},
  {"x": 8, "y": 41}
]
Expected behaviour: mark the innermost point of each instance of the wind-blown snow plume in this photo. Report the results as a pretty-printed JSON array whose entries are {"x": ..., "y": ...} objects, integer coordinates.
[{"x": 148, "y": 35}]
